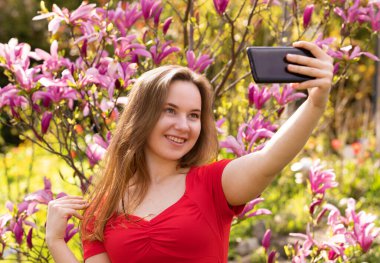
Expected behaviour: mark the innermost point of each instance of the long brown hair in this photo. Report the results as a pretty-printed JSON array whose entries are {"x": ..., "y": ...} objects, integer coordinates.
[{"x": 125, "y": 162}]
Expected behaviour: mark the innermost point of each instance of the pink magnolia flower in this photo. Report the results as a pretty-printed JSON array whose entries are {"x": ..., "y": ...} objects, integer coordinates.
[
  {"x": 70, "y": 232},
  {"x": 354, "y": 13},
  {"x": 246, "y": 213},
  {"x": 97, "y": 149},
  {"x": 29, "y": 238},
  {"x": 124, "y": 18},
  {"x": 166, "y": 25},
  {"x": 125, "y": 47},
  {"x": 252, "y": 132},
  {"x": 83, "y": 12},
  {"x": 266, "y": 239},
  {"x": 150, "y": 8},
  {"x": 15, "y": 54},
  {"x": 52, "y": 61},
  {"x": 287, "y": 94},
  {"x": 307, "y": 13},
  {"x": 364, "y": 229},
  {"x": 45, "y": 122},
  {"x": 160, "y": 52},
  {"x": 321, "y": 180},
  {"x": 336, "y": 246},
  {"x": 313, "y": 205},
  {"x": 233, "y": 146},
  {"x": 9, "y": 96},
  {"x": 344, "y": 53},
  {"x": 257, "y": 96},
  {"x": 374, "y": 16},
  {"x": 219, "y": 124},
  {"x": 306, "y": 248},
  {"x": 198, "y": 64},
  {"x": 220, "y": 6},
  {"x": 272, "y": 257},
  {"x": 320, "y": 41}
]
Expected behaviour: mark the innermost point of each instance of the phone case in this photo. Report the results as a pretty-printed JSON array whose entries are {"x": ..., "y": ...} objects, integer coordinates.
[{"x": 269, "y": 65}]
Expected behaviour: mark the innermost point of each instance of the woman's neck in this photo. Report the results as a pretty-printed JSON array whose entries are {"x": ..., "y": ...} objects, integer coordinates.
[{"x": 160, "y": 170}]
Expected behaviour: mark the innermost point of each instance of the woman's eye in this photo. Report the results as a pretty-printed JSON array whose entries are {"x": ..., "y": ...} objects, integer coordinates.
[
  {"x": 194, "y": 115},
  {"x": 169, "y": 110}
]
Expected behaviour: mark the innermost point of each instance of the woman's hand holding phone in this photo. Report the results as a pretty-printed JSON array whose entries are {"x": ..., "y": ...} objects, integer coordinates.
[{"x": 320, "y": 68}]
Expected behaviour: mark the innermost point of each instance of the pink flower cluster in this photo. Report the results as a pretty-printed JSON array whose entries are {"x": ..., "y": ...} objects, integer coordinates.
[
  {"x": 347, "y": 231},
  {"x": 20, "y": 221},
  {"x": 105, "y": 58},
  {"x": 249, "y": 134}
]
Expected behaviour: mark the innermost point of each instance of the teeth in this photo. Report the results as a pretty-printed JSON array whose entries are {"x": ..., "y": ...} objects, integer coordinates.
[{"x": 175, "y": 139}]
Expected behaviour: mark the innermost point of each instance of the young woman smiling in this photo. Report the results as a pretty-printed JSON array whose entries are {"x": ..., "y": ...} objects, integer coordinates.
[{"x": 159, "y": 199}]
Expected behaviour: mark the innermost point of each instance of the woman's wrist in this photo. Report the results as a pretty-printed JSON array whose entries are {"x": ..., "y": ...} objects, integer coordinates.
[{"x": 54, "y": 242}]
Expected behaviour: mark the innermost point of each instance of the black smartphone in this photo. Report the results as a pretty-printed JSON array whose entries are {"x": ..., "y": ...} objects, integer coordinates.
[{"x": 269, "y": 64}]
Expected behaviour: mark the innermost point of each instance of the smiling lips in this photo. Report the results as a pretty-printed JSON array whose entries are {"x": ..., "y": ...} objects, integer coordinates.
[{"x": 175, "y": 139}]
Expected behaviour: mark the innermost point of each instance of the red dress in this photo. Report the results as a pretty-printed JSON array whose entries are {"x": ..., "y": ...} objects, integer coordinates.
[{"x": 194, "y": 229}]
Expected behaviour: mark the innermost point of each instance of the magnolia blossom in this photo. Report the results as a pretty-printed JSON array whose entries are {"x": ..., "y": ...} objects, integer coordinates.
[
  {"x": 304, "y": 251},
  {"x": 307, "y": 13},
  {"x": 15, "y": 54},
  {"x": 159, "y": 52},
  {"x": 220, "y": 6},
  {"x": 354, "y": 13},
  {"x": 364, "y": 230},
  {"x": 9, "y": 96},
  {"x": 83, "y": 12},
  {"x": 266, "y": 239},
  {"x": 198, "y": 64},
  {"x": 344, "y": 53},
  {"x": 219, "y": 124},
  {"x": 286, "y": 95},
  {"x": 321, "y": 180},
  {"x": 45, "y": 122},
  {"x": 258, "y": 96},
  {"x": 249, "y": 133},
  {"x": 124, "y": 17},
  {"x": 97, "y": 149},
  {"x": 320, "y": 41},
  {"x": 374, "y": 16},
  {"x": 246, "y": 213},
  {"x": 150, "y": 8},
  {"x": 166, "y": 25}
]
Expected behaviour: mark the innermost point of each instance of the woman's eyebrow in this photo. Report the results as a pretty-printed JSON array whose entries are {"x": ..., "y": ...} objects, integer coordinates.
[{"x": 176, "y": 107}]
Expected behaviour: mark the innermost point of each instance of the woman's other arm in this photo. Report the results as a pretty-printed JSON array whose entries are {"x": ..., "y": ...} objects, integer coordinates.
[
  {"x": 246, "y": 177},
  {"x": 59, "y": 210}
]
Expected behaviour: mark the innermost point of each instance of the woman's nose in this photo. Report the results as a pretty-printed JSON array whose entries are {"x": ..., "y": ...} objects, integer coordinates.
[{"x": 182, "y": 123}]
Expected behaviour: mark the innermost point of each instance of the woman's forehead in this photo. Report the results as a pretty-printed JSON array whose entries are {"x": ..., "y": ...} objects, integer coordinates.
[{"x": 184, "y": 94}]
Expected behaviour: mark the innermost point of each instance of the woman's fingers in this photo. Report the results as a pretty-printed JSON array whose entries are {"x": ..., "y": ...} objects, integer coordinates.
[
  {"x": 312, "y": 72},
  {"x": 314, "y": 49},
  {"x": 70, "y": 197},
  {"x": 308, "y": 61},
  {"x": 68, "y": 201},
  {"x": 313, "y": 83},
  {"x": 66, "y": 207}
]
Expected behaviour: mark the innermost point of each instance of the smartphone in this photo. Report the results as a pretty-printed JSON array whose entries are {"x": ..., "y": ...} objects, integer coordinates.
[{"x": 269, "y": 64}]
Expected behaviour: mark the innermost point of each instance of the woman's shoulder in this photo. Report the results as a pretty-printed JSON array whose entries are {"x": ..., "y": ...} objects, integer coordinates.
[{"x": 215, "y": 165}]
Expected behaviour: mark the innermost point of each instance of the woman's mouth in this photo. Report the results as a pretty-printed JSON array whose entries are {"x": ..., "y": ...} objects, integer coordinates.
[{"x": 175, "y": 139}]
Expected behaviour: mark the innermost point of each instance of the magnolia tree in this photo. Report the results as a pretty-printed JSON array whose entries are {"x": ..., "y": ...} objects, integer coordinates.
[{"x": 67, "y": 100}]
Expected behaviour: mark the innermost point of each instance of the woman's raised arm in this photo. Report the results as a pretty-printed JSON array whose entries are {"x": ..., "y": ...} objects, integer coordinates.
[
  {"x": 246, "y": 177},
  {"x": 59, "y": 210}
]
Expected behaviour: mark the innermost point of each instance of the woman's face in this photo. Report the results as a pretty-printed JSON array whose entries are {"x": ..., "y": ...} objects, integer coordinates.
[{"x": 179, "y": 125}]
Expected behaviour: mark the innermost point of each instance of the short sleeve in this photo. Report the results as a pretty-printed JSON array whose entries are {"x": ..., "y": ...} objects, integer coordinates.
[
  {"x": 214, "y": 172},
  {"x": 92, "y": 247}
]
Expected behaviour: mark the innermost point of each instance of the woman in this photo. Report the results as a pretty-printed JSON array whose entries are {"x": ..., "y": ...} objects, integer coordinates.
[{"x": 158, "y": 199}]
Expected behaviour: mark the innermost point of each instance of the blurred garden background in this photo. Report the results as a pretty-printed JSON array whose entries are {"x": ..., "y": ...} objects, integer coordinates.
[{"x": 65, "y": 71}]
